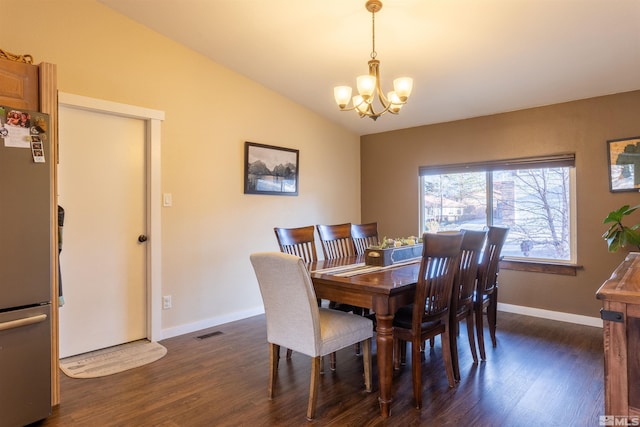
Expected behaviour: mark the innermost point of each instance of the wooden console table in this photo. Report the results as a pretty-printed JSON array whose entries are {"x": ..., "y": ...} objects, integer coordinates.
[{"x": 620, "y": 296}]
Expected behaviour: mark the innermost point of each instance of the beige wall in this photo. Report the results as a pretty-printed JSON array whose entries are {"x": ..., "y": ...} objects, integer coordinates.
[
  {"x": 212, "y": 227},
  {"x": 210, "y": 112},
  {"x": 390, "y": 164}
]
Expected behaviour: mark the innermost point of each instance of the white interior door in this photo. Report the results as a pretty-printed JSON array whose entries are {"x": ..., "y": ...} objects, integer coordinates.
[{"x": 101, "y": 186}]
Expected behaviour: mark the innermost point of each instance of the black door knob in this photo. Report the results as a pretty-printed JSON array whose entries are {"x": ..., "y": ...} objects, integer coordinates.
[{"x": 142, "y": 238}]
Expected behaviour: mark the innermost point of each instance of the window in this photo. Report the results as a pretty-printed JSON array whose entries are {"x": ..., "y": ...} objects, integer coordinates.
[{"x": 534, "y": 197}]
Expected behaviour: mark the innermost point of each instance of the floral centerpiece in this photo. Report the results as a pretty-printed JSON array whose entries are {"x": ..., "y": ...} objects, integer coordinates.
[
  {"x": 392, "y": 251},
  {"x": 386, "y": 243}
]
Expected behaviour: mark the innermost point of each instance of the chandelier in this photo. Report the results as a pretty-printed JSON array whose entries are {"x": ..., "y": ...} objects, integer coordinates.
[{"x": 369, "y": 85}]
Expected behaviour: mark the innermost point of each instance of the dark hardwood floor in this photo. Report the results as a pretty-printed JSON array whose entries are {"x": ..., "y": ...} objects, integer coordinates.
[{"x": 543, "y": 372}]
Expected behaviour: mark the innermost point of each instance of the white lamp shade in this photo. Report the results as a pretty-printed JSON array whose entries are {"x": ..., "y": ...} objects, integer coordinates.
[
  {"x": 342, "y": 95},
  {"x": 393, "y": 98},
  {"x": 361, "y": 105},
  {"x": 403, "y": 87},
  {"x": 396, "y": 104},
  {"x": 366, "y": 86}
]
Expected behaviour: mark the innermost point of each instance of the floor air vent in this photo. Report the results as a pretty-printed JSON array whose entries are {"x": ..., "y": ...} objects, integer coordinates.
[{"x": 209, "y": 335}]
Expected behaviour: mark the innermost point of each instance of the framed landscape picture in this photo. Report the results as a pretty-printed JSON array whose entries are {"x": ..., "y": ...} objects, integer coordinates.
[
  {"x": 624, "y": 164},
  {"x": 270, "y": 170}
]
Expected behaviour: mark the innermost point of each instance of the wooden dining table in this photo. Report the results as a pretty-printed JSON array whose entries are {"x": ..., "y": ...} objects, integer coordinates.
[{"x": 382, "y": 289}]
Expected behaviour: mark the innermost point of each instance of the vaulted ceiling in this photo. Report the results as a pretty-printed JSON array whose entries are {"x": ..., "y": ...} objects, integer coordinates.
[{"x": 468, "y": 58}]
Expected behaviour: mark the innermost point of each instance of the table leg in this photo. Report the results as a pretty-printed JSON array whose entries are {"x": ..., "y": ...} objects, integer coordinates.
[{"x": 384, "y": 342}]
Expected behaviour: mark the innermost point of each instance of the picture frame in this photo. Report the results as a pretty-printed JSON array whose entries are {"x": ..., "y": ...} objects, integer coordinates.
[
  {"x": 623, "y": 157},
  {"x": 270, "y": 170}
]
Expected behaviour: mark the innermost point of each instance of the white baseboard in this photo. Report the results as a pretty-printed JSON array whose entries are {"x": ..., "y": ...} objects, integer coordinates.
[
  {"x": 553, "y": 315},
  {"x": 509, "y": 308},
  {"x": 209, "y": 323}
]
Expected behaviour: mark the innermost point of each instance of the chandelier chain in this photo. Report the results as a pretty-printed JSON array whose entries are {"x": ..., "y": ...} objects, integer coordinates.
[{"x": 373, "y": 35}]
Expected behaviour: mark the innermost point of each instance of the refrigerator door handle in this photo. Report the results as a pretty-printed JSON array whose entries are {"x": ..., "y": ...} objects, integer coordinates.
[{"x": 22, "y": 322}]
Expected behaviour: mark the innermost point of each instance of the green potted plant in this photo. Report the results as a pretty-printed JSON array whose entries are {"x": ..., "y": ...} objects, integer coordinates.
[{"x": 619, "y": 235}]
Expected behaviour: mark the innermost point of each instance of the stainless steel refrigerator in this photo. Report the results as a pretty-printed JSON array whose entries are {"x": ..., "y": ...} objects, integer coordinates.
[{"x": 25, "y": 267}]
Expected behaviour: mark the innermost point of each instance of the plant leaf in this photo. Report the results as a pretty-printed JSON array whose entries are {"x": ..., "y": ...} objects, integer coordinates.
[
  {"x": 633, "y": 236},
  {"x": 616, "y": 216},
  {"x": 610, "y": 231},
  {"x": 618, "y": 235},
  {"x": 629, "y": 210},
  {"x": 613, "y": 244}
]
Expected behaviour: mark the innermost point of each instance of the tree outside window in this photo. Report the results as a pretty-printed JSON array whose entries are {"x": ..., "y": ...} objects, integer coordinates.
[{"x": 535, "y": 203}]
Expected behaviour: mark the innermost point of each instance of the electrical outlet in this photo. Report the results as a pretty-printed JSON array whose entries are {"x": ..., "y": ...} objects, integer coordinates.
[{"x": 166, "y": 302}]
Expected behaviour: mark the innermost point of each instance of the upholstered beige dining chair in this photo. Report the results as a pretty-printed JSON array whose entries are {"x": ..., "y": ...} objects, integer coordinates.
[
  {"x": 300, "y": 241},
  {"x": 295, "y": 321}
]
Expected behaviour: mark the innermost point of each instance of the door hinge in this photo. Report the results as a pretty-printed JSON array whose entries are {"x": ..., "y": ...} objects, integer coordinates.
[{"x": 612, "y": 316}]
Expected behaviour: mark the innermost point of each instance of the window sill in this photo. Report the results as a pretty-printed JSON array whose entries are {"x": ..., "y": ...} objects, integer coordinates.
[{"x": 540, "y": 267}]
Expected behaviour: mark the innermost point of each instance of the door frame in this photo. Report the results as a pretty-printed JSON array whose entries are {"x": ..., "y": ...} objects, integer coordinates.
[{"x": 153, "y": 120}]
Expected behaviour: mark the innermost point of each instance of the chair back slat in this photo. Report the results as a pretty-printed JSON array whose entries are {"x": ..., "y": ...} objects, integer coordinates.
[
  {"x": 489, "y": 264},
  {"x": 364, "y": 235},
  {"x": 438, "y": 267},
  {"x": 336, "y": 240},
  {"x": 298, "y": 241},
  {"x": 470, "y": 251}
]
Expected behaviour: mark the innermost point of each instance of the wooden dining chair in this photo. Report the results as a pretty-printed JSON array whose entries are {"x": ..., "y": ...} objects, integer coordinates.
[
  {"x": 336, "y": 243},
  {"x": 364, "y": 235},
  {"x": 336, "y": 240},
  {"x": 299, "y": 241},
  {"x": 428, "y": 316},
  {"x": 464, "y": 288},
  {"x": 285, "y": 285},
  {"x": 486, "y": 297}
]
